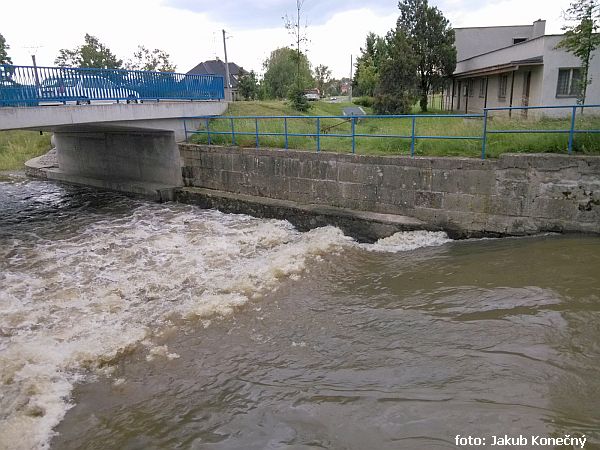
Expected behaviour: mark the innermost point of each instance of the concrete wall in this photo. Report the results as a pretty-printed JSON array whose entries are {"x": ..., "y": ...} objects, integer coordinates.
[
  {"x": 120, "y": 156},
  {"x": 515, "y": 195}
]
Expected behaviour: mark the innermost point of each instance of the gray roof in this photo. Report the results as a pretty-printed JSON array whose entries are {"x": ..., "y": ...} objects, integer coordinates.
[{"x": 217, "y": 67}]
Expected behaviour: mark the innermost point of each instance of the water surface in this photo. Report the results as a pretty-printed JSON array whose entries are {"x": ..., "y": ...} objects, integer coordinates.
[{"x": 165, "y": 326}]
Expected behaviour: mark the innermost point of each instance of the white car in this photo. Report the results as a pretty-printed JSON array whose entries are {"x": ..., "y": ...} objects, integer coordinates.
[{"x": 84, "y": 90}]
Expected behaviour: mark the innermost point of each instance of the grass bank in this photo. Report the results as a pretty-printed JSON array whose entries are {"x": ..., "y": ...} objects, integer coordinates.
[
  {"x": 438, "y": 126},
  {"x": 16, "y": 147}
]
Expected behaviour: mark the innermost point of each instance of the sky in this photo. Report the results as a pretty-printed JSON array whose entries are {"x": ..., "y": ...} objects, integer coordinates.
[{"x": 191, "y": 30}]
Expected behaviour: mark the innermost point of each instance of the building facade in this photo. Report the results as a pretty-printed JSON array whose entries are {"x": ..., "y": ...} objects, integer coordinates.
[{"x": 516, "y": 66}]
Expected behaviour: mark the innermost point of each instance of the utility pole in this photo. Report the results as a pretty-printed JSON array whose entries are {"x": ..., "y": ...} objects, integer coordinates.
[
  {"x": 227, "y": 77},
  {"x": 350, "y": 85},
  {"x": 37, "y": 78}
]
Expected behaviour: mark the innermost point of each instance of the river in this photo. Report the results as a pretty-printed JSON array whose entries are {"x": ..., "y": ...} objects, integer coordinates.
[{"x": 126, "y": 324}]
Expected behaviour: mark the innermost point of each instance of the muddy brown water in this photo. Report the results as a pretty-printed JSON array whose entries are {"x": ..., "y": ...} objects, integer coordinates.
[{"x": 131, "y": 325}]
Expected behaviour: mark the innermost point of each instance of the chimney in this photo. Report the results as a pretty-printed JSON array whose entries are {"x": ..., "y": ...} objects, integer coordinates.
[{"x": 539, "y": 28}]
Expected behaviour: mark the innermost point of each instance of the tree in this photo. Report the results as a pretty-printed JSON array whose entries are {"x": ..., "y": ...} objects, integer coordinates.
[
  {"x": 248, "y": 85},
  {"x": 296, "y": 95},
  {"x": 4, "y": 47},
  {"x": 156, "y": 60},
  {"x": 432, "y": 40},
  {"x": 397, "y": 88},
  {"x": 322, "y": 74},
  {"x": 582, "y": 38},
  {"x": 294, "y": 28},
  {"x": 92, "y": 54},
  {"x": 280, "y": 69},
  {"x": 368, "y": 65}
]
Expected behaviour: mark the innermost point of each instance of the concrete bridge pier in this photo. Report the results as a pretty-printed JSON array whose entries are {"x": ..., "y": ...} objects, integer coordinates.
[{"x": 138, "y": 161}]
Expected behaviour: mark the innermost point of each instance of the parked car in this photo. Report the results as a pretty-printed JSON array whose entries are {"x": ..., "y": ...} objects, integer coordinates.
[
  {"x": 84, "y": 90},
  {"x": 311, "y": 97},
  {"x": 15, "y": 94}
]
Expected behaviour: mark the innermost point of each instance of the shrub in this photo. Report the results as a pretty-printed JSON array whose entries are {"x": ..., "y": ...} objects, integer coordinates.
[
  {"x": 297, "y": 100},
  {"x": 364, "y": 101},
  {"x": 399, "y": 103}
]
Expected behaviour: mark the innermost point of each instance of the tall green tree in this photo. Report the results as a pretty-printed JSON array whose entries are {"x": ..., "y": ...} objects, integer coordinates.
[
  {"x": 322, "y": 75},
  {"x": 248, "y": 85},
  {"x": 4, "y": 47},
  {"x": 432, "y": 40},
  {"x": 581, "y": 38},
  {"x": 92, "y": 54},
  {"x": 156, "y": 60},
  {"x": 280, "y": 72},
  {"x": 397, "y": 88},
  {"x": 296, "y": 92},
  {"x": 368, "y": 64}
]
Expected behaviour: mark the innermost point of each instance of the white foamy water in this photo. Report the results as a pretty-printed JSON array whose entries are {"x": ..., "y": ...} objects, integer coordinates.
[
  {"x": 77, "y": 303},
  {"x": 71, "y": 305},
  {"x": 409, "y": 240}
]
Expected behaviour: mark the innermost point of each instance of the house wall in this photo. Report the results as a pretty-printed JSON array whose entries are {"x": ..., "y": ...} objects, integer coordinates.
[
  {"x": 475, "y": 41},
  {"x": 517, "y": 52},
  {"x": 544, "y": 78},
  {"x": 555, "y": 59}
]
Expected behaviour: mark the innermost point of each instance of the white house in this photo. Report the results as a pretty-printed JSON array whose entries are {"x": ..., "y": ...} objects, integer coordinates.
[{"x": 516, "y": 66}]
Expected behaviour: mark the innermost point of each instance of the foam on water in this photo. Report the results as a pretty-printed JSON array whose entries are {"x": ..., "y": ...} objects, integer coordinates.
[
  {"x": 408, "y": 240},
  {"x": 71, "y": 305}
]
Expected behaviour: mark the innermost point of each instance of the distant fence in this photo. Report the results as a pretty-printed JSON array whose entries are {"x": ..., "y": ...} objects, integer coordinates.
[
  {"x": 320, "y": 132},
  {"x": 32, "y": 86}
]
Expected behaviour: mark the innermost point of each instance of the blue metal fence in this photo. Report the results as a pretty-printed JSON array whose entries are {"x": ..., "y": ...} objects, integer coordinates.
[
  {"x": 31, "y": 86},
  {"x": 353, "y": 135}
]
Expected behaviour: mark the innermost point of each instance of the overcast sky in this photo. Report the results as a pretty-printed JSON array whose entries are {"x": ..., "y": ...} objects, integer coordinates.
[{"x": 190, "y": 30}]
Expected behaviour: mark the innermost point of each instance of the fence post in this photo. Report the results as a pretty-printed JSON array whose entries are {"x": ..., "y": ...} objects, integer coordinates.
[
  {"x": 572, "y": 130},
  {"x": 484, "y": 138},
  {"x": 208, "y": 130},
  {"x": 185, "y": 131},
  {"x": 318, "y": 134},
  {"x": 256, "y": 128},
  {"x": 412, "y": 141},
  {"x": 353, "y": 135},
  {"x": 232, "y": 131},
  {"x": 286, "y": 132}
]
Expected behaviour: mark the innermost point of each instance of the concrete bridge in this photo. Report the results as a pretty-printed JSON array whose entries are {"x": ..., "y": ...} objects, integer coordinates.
[
  {"x": 126, "y": 147},
  {"x": 112, "y": 128}
]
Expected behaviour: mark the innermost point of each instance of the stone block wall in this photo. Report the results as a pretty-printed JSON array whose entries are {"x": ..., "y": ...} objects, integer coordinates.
[{"x": 515, "y": 195}]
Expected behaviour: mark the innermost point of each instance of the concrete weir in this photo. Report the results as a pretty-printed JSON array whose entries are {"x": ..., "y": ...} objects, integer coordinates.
[
  {"x": 365, "y": 226},
  {"x": 515, "y": 195}
]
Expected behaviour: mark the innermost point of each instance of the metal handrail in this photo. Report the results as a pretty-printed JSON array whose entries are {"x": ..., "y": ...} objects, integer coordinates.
[
  {"x": 34, "y": 85},
  {"x": 413, "y": 136}
]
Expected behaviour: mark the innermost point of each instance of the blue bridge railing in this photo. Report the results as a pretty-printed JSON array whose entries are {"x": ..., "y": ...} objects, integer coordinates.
[
  {"x": 32, "y": 86},
  {"x": 322, "y": 132}
]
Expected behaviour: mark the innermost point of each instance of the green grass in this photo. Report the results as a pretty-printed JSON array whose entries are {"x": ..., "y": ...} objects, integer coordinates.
[
  {"x": 16, "y": 147},
  {"x": 438, "y": 126}
]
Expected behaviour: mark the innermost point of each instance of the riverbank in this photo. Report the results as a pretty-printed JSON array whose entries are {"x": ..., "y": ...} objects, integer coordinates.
[
  {"x": 497, "y": 144},
  {"x": 17, "y": 147},
  {"x": 513, "y": 196}
]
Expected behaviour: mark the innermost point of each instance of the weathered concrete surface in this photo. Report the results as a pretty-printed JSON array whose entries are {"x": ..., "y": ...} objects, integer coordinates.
[
  {"x": 363, "y": 226},
  {"x": 164, "y": 116},
  {"x": 144, "y": 156},
  {"x": 514, "y": 195}
]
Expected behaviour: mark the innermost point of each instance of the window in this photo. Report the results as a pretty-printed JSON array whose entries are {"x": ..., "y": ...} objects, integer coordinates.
[
  {"x": 482, "y": 88},
  {"x": 503, "y": 82},
  {"x": 470, "y": 87},
  {"x": 518, "y": 40},
  {"x": 568, "y": 82}
]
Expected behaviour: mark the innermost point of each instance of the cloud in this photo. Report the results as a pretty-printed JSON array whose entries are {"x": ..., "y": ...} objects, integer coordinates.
[{"x": 257, "y": 14}]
